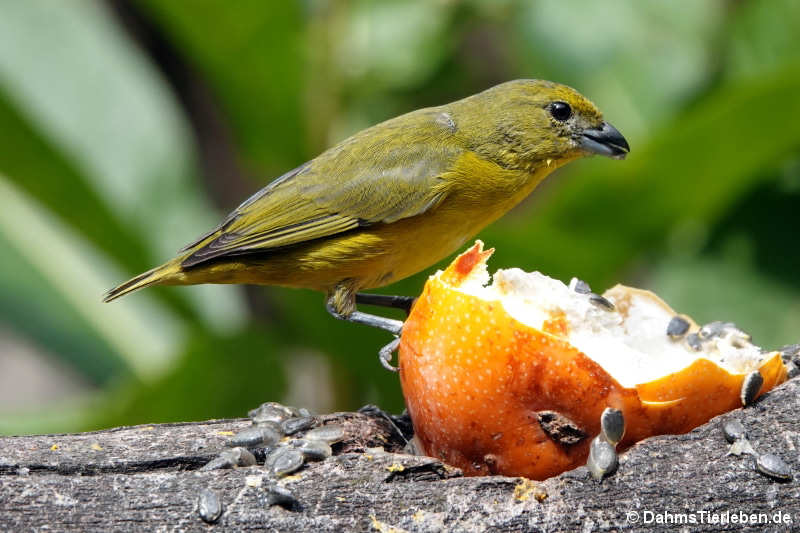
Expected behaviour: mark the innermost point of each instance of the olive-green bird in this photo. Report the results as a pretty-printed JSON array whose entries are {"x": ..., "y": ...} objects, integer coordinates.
[{"x": 395, "y": 198}]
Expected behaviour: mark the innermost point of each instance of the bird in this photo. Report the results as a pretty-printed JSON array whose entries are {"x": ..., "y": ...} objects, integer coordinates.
[{"x": 394, "y": 199}]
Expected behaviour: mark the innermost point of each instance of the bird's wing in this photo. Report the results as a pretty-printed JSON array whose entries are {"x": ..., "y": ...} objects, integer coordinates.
[{"x": 343, "y": 189}]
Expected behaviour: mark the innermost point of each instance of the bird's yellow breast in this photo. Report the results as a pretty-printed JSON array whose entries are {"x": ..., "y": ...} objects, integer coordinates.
[{"x": 478, "y": 192}]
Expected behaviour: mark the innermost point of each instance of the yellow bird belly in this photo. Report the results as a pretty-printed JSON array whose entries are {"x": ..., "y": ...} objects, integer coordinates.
[
  {"x": 366, "y": 258},
  {"x": 380, "y": 254}
]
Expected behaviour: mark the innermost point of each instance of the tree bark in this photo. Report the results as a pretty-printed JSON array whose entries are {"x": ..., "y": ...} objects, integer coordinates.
[{"x": 145, "y": 478}]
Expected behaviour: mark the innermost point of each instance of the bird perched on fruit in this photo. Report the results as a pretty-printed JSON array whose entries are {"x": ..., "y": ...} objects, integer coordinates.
[{"x": 395, "y": 198}]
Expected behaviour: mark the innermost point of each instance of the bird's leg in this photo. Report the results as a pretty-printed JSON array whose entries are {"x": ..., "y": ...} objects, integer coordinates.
[
  {"x": 389, "y": 324},
  {"x": 386, "y": 300},
  {"x": 341, "y": 303}
]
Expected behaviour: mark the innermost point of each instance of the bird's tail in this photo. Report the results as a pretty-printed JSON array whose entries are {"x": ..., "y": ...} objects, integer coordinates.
[{"x": 167, "y": 274}]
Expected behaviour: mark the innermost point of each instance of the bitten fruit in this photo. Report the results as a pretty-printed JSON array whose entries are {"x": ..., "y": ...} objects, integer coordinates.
[{"x": 512, "y": 378}]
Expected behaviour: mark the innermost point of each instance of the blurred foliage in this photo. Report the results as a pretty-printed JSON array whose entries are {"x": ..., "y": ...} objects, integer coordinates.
[{"x": 128, "y": 128}]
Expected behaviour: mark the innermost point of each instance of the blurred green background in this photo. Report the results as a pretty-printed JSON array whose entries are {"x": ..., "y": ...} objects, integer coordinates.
[{"x": 128, "y": 128}]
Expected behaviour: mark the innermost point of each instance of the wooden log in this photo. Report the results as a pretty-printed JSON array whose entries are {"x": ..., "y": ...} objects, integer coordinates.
[{"x": 145, "y": 478}]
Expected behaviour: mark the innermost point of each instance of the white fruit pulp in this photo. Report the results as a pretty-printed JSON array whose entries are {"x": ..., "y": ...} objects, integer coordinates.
[{"x": 632, "y": 347}]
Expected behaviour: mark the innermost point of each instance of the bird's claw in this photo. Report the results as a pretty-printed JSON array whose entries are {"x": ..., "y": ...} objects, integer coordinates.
[{"x": 385, "y": 355}]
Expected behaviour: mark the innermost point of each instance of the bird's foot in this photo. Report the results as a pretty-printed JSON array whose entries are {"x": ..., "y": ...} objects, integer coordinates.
[
  {"x": 385, "y": 355},
  {"x": 341, "y": 304}
]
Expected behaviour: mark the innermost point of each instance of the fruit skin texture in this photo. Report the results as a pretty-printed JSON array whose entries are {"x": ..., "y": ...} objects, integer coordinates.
[{"x": 474, "y": 379}]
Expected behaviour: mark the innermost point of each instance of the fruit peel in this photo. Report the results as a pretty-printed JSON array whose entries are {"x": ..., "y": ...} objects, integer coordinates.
[{"x": 475, "y": 379}]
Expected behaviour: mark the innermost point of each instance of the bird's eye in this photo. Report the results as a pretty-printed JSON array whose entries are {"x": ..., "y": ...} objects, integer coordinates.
[{"x": 560, "y": 110}]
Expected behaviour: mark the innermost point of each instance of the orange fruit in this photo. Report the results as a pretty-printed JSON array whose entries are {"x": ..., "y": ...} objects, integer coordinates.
[{"x": 511, "y": 378}]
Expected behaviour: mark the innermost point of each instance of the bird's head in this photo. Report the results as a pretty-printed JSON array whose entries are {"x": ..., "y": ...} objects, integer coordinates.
[{"x": 524, "y": 123}]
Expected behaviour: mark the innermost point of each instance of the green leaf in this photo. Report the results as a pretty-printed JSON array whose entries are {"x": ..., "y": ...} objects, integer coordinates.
[
  {"x": 637, "y": 60},
  {"x": 762, "y": 37},
  {"x": 143, "y": 334},
  {"x": 253, "y": 58},
  {"x": 393, "y": 44},
  {"x": 116, "y": 126}
]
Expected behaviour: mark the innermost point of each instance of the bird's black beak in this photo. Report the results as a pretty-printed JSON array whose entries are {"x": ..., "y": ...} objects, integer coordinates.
[{"x": 605, "y": 140}]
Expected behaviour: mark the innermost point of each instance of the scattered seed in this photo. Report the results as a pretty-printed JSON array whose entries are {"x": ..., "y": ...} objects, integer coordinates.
[
  {"x": 602, "y": 458},
  {"x": 230, "y": 458},
  {"x": 293, "y": 425},
  {"x": 412, "y": 447},
  {"x": 217, "y": 463},
  {"x": 209, "y": 506},
  {"x": 314, "y": 450},
  {"x": 733, "y": 430},
  {"x": 677, "y": 327},
  {"x": 283, "y": 461},
  {"x": 579, "y": 286},
  {"x": 715, "y": 329},
  {"x": 560, "y": 428},
  {"x": 791, "y": 358},
  {"x": 773, "y": 466},
  {"x": 693, "y": 340},
  {"x": 242, "y": 456},
  {"x": 792, "y": 370},
  {"x": 601, "y": 302},
  {"x": 741, "y": 446},
  {"x": 255, "y": 436},
  {"x": 331, "y": 434},
  {"x": 276, "y": 495},
  {"x": 612, "y": 424},
  {"x": 273, "y": 426},
  {"x": 271, "y": 412},
  {"x": 750, "y": 387},
  {"x": 790, "y": 351}
]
